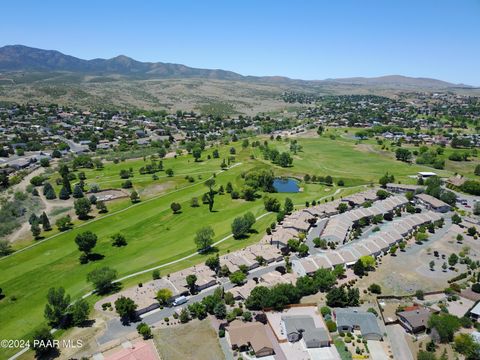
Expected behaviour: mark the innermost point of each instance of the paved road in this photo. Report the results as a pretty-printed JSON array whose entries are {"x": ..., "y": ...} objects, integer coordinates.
[
  {"x": 400, "y": 348},
  {"x": 471, "y": 199},
  {"x": 314, "y": 233},
  {"x": 75, "y": 147},
  {"x": 115, "y": 329}
]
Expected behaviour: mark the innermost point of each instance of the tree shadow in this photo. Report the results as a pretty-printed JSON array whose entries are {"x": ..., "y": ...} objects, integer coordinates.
[
  {"x": 209, "y": 251},
  {"x": 51, "y": 354},
  {"x": 128, "y": 320},
  {"x": 87, "y": 323},
  {"x": 85, "y": 218},
  {"x": 112, "y": 289},
  {"x": 95, "y": 257}
]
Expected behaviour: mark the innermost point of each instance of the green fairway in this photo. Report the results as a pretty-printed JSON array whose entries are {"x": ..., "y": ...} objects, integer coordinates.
[
  {"x": 344, "y": 159},
  {"x": 109, "y": 176}
]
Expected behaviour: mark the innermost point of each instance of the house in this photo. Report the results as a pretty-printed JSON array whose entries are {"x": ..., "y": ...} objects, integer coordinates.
[
  {"x": 302, "y": 327},
  {"x": 433, "y": 203},
  {"x": 243, "y": 336},
  {"x": 350, "y": 319},
  {"x": 402, "y": 188},
  {"x": 457, "y": 180},
  {"x": 415, "y": 320}
]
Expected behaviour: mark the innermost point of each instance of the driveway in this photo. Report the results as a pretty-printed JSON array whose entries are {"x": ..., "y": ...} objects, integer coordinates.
[
  {"x": 377, "y": 352},
  {"x": 399, "y": 344}
]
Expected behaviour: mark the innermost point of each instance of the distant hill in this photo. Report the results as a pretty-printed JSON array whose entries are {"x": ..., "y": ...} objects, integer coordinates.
[
  {"x": 19, "y": 58},
  {"x": 23, "y": 58},
  {"x": 396, "y": 81},
  {"x": 47, "y": 76}
]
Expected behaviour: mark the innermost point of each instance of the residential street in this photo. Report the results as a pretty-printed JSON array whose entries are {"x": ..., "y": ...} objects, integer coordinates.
[{"x": 115, "y": 329}]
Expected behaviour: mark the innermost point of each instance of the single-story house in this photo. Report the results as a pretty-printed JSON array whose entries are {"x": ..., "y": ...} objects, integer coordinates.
[
  {"x": 243, "y": 336},
  {"x": 350, "y": 319},
  {"x": 433, "y": 203},
  {"x": 302, "y": 327},
  {"x": 414, "y": 321}
]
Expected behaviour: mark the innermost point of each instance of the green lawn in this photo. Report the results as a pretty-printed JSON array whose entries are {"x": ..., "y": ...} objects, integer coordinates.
[{"x": 344, "y": 159}]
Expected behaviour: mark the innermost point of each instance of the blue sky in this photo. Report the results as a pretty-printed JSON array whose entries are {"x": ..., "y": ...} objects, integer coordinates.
[{"x": 300, "y": 39}]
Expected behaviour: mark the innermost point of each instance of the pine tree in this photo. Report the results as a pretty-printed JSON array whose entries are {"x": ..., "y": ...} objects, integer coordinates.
[
  {"x": 77, "y": 192},
  {"x": 45, "y": 222},
  {"x": 64, "y": 194},
  {"x": 66, "y": 184},
  {"x": 35, "y": 229},
  {"x": 33, "y": 218},
  {"x": 48, "y": 191}
]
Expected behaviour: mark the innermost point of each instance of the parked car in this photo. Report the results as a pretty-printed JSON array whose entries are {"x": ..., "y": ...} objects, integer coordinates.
[{"x": 180, "y": 300}]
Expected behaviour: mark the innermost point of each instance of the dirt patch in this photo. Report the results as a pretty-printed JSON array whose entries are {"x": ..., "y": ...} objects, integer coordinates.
[
  {"x": 156, "y": 189},
  {"x": 368, "y": 148},
  {"x": 87, "y": 336},
  {"x": 110, "y": 194},
  {"x": 195, "y": 340},
  {"x": 409, "y": 271}
]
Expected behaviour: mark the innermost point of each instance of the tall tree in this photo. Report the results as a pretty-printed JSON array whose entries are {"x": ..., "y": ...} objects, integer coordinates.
[
  {"x": 56, "y": 310},
  {"x": 191, "y": 283},
  {"x": 86, "y": 241},
  {"x": 82, "y": 208},
  {"x": 288, "y": 206},
  {"x": 204, "y": 238},
  {"x": 126, "y": 309},
  {"x": 45, "y": 222},
  {"x": 35, "y": 229},
  {"x": 210, "y": 183},
  {"x": 102, "y": 279},
  {"x": 79, "y": 312}
]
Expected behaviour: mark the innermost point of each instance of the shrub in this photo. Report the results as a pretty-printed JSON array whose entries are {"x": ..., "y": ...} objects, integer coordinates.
[
  {"x": 375, "y": 289},
  {"x": 325, "y": 310},
  {"x": 331, "y": 326}
]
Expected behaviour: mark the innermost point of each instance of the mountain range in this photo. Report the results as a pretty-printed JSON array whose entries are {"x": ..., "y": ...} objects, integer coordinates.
[{"x": 19, "y": 58}]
